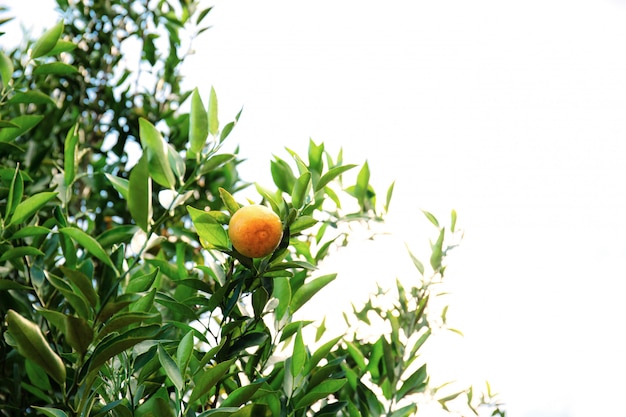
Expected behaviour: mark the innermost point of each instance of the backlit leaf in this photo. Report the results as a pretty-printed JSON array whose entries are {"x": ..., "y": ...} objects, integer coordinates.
[
  {"x": 198, "y": 124},
  {"x": 155, "y": 148},
  {"x": 140, "y": 188},
  {"x": 47, "y": 41},
  {"x": 214, "y": 123},
  {"x": 209, "y": 230}
]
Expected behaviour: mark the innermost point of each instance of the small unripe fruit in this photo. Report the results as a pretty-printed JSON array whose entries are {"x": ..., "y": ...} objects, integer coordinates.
[{"x": 255, "y": 231}]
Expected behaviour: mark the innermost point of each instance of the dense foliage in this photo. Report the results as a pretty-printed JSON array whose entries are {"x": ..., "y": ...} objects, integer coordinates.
[{"x": 120, "y": 292}]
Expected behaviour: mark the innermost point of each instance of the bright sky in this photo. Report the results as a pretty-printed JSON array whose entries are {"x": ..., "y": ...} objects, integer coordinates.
[{"x": 512, "y": 113}]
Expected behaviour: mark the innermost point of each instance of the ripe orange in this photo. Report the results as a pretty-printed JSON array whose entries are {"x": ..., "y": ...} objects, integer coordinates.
[{"x": 255, "y": 231}]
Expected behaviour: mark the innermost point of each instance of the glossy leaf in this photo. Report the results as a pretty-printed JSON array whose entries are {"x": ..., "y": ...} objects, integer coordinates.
[
  {"x": 47, "y": 41},
  {"x": 184, "y": 351},
  {"x": 331, "y": 175},
  {"x": 229, "y": 201},
  {"x": 301, "y": 190},
  {"x": 88, "y": 243},
  {"x": 214, "y": 123},
  {"x": 16, "y": 192},
  {"x": 83, "y": 283},
  {"x": 26, "y": 209},
  {"x": 198, "y": 124},
  {"x": 308, "y": 290},
  {"x": 155, "y": 148},
  {"x": 210, "y": 231},
  {"x": 31, "y": 344},
  {"x": 241, "y": 395},
  {"x": 70, "y": 154},
  {"x": 298, "y": 357},
  {"x": 140, "y": 188},
  {"x": 50, "y": 412},
  {"x": 120, "y": 184},
  {"x": 171, "y": 369}
]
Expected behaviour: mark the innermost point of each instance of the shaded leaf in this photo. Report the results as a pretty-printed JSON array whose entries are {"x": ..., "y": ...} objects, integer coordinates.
[
  {"x": 198, "y": 124},
  {"x": 140, "y": 187},
  {"x": 88, "y": 243}
]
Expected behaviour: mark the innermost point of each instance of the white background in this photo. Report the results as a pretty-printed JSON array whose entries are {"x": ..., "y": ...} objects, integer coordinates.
[{"x": 512, "y": 113}]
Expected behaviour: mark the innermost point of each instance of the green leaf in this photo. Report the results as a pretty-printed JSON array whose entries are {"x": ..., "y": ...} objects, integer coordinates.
[
  {"x": 31, "y": 344},
  {"x": 452, "y": 220},
  {"x": 156, "y": 149},
  {"x": 7, "y": 284},
  {"x": 418, "y": 264},
  {"x": 389, "y": 194},
  {"x": 110, "y": 348},
  {"x": 120, "y": 184},
  {"x": 215, "y": 162},
  {"x": 241, "y": 395},
  {"x": 214, "y": 124},
  {"x": 362, "y": 184},
  {"x": 31, "y": 97},
  {"x": 78, "y": 333},
  {"x": 282, "y": 175},
  {"x": 357, "y": 355},
  {"x": 282, "y": 292},
  {"x": 301, "y": 223},
  {"x": 414, "y": 383},
  {"x": 210, "y": 231},
  {"x": 140, "y": 188},
  {"x": 6, "y": 69},
  {"x": 431, "y": 218},
  {"x": 125, "y": 319},
  {"x": 70, "y": 156},
  {"x": 198, "y": 125},
  {"x": 24, "y": 123},
  {"x": 308, "y": 290},
  {"x": 321, "y": 353},
  {"x": 55, "y": 68},
  {"x": 20, "y": 252},
  {"x": 229, "y": 201},
  {"x": 298, "y": 358},
  {"x": 88, "y": 243},
  {"x": 436, "y": 256},
  {"x": 406, "y": 411},
  {"x": 50, "y": 412},
  {"x": 253, "y": 410},
  {"x": 83, "y": 283},
  {"x": 62, "y": 46},
  {"x": 171, "y": 369},
  {"x": 142, "y": 283},
  {"x": 30, "y": 206},
  {"x": 321, "y": 391},
  {"x": 15, "y": 192},
  {"x": 301, "y": 190},
  {"x": 47, "y": 41},
  {"x": 331, "y": 175},
  {"x": 208, "y": 379},
  {"x": 184, "y": 351}
]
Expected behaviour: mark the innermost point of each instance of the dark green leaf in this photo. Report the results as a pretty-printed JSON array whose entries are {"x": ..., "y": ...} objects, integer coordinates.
[
  {"x": 241, "y": 395},
  {"x": 107, "y": 349},
  {"x": 31, "y": 97},
  {"x": 70, "y": 154},
  {"x": 24, "y": 123},
  {"x": 78, "y": 333},
  {"x": 321, "y": 391},
  {"x": 414, "y": 383},
  {"x": 298, "y": 357},
  {"x": 171, "y": 369},
  {"x": 208, "y": 378},
  {"x": 15, "y": 192},
  {"x": 50, "y": 412},
  {"x": 20, "y": 252}
]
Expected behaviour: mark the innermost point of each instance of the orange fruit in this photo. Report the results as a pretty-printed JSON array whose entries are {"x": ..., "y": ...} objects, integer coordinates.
[{"x": 255, "y": 231}]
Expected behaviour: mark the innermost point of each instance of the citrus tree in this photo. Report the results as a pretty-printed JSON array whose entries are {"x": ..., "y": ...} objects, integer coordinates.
[{"x": 135, "y": 277}]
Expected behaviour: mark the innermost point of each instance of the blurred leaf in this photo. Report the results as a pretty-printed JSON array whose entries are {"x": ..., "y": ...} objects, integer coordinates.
[
  {"x": 431, "y": 218},
  {"x": 47, "y": 41},
  {"x": 253, "y": 410},
  {"x": 414, "y": 383},
  {"x": 229, "y": 202},
  {"x": 453, "y": 220},
  {"x": 25, "y": 209},
  {"x": 140, "y": 188},
  {"x": 389, "y": 195},
  {"x": 215, "y": 162},
  {"x": 6, "y": 69},
  {"x": 171, "y": 369},
  {"x": 120, "y": 184},
  {"x": 209, "y": 229},
  {"x": 20, "y": 252},
  {"x": 88, "y": 243},
  {"x": 198, "y": 125},
  {"x": 321, "y": 353},
  {"x": 55, "y": 68},
  {"x": 70, "y": 157},
  {"x": 436, "y": 256},
  {"x": 24, "y": 123},
  {"x": 30, "y": 97},
  {"x": 62, "y": 46},
  {"x": 406, "y": 411},
  {"x": 124, "y": 319},
  {"x": 301, "y": 223},
  {"x": 214, "y": 123},
  {"x": 416, "y": 262},
  {"x": 316, "y": 163},
  {"x": 31, "y": 344},
  {"x": 362, "y": 184},
  {"x": 50, "y": 412},
  {"x": 177, "y": 163},
  {"x": 7, "y": 284},
  {"x": 16, "y": 192},
  {"x": 155, "y": 148},
  {"x": 308, "y": 290}
]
